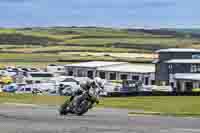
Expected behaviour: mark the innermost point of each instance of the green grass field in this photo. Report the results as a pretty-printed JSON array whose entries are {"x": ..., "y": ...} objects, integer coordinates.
[
  {"x": 31, "y": 64},
  {"x": 167, "y": 105},
  {"x": 62, "y": 58},
  {"x": 45, "y": 44}
]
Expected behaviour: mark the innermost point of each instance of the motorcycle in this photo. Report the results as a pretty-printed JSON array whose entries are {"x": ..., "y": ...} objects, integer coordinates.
[{"x": 81, "y": 103}]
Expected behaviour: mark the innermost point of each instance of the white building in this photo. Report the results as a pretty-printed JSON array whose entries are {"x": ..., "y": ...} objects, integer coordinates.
[
  {"x": 179, "y": 68},
  {"x": 87, "y": 69},
  {"x": 113, "y": 71}
]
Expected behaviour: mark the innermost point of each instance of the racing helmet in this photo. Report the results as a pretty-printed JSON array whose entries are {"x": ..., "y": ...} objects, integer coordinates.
[{"x": 98, "y": 81}]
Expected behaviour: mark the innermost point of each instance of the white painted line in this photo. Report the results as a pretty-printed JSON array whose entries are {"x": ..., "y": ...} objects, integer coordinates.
[
  {"x": 143, "y": 115},
  {"x": 22, "y": 104},
  {"x": 187, "y": 130}
]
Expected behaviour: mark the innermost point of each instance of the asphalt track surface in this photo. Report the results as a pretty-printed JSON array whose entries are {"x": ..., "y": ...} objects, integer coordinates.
[{"x": 35, "y": 119}]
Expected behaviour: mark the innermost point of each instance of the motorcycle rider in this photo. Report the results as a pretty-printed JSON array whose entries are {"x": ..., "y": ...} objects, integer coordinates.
[{"x": 88, "y": 85}]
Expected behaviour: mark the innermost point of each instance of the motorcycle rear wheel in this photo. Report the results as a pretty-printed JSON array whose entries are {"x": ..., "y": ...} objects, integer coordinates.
[{"x": 83, "y": 108}]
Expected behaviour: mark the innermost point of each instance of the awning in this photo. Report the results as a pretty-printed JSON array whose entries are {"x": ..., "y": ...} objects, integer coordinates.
[
  {"x": 187, "y": 76},
  {"x": 156, "y": 61},
  {"x": 183, "y": 61}
]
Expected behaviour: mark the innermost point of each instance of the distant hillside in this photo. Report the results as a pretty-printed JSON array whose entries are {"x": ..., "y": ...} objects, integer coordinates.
[
  {"x": 63, "y": 43},
  {"x": 140, "y": 39},
  {"x": 193, "y": 33},
  {"x": 19, "y": 39}
]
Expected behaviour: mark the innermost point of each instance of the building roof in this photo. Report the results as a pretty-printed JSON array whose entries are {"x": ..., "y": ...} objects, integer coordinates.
[
  {"x": 184, "y": 61},
  {"x": 130, "y": 68},
  {"x": 187, "y": 76},
  {"x": 177, "y": 50},
  {"x": 94, "y": 64}
]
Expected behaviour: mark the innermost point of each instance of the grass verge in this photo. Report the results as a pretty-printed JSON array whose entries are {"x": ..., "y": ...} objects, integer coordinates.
[
  {"x": 181, "y": 114},
  {"x": 160, "y": 105}
]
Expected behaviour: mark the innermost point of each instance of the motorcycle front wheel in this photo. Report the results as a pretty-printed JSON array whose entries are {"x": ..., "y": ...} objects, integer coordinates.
[{"x": 63, "y": 108}]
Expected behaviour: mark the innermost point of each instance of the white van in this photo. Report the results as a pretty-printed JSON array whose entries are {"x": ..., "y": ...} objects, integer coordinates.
[{"x": 55, "y": 69}]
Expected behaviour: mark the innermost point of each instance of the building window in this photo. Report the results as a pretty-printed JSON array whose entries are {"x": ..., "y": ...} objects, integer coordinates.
[
  {"x": 170, "y": 67},
  {"x": 102, "y": 75},
  {"x": 136, "y": 78},
  {"x": 113, "y": 76},
  {"x": 59, "y": 69},
  {"x": 196, "y": 56},
  {"x": 123, "y": 76},
  {"x": 80, "y": 73},
  {"x": 153, "y": 82},
  {"x": 195, "y": 68},
  {"x": 90, "y": 74},
  {"x": 146, "y": 81},
  {"x": 37, "y": 81},
  {"x": 172, "y": 84},
  {"x": 70, "y": 73}
]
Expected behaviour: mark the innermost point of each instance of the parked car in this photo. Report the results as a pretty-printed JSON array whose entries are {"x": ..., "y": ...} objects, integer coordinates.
[
  {"x": 8, "y": 72},
  {"x": 112, "y": 87},
  {"x": 10, "y": 88},
  {"x": 24, "y": 89},
  {"x": 45, "y": 88},
  {"x": 131, "y": 86},
  {"x": 162, "y": 88},
  {"x": 6, "y": 79}
]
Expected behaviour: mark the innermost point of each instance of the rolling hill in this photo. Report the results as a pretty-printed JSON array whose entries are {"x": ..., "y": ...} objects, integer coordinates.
[{"x": 69, "y": 44}]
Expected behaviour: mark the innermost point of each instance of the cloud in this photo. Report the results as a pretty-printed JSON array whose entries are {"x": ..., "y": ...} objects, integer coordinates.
[
  {"x": 160, "y": 3},
  {"x": 100, "y": 3},
  {"x": 13, "y": 1}
]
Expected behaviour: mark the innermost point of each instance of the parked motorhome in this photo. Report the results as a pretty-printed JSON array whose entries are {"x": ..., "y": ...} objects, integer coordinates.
[{"x": 38, "y": 77}]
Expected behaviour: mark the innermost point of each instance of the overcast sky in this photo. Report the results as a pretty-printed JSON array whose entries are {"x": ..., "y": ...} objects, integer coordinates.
[{"x": 110, "y": 13}]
